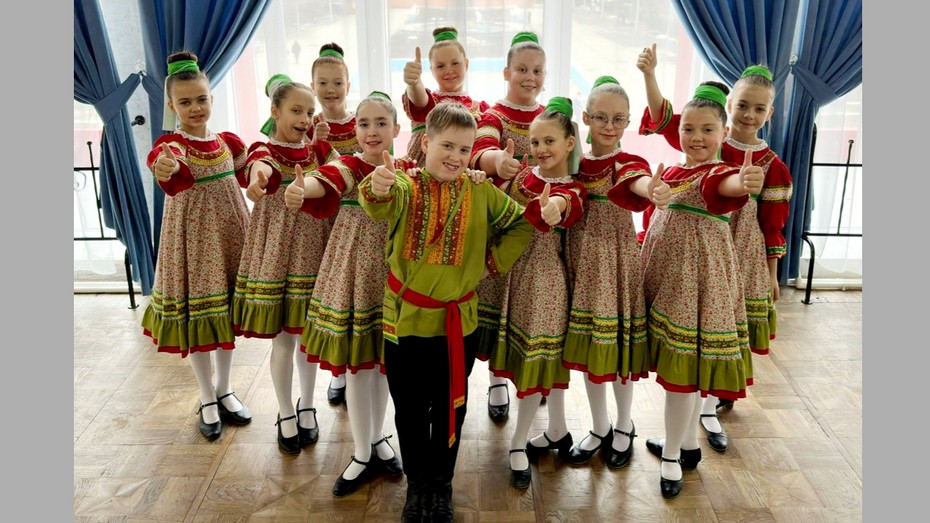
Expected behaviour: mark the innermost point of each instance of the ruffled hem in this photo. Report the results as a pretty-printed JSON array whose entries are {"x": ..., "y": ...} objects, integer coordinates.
[
  {"x": 260, "y": 320},
  {"x": 528, "y": 376},
  {"x": 679, "y": 372},
  {"x": 608, "y": 362},
  {"x": 184, "y": 337},
  {"x": 338, "y": 354},
  {"x": 759, "y": 336}
]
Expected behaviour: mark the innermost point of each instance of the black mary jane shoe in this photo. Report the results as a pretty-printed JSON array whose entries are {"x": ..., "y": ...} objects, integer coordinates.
[
  {"x": 335, "y": 396},
  {"x": 520, "y": 479},
  {"x": 689, "y": 458},
  {"x": 563, "y": 446},
  {"x": 670, "y": 487},
  {"x": 240, "y": 417},
  {"x": 289, "y": 445},
  {"x": 211, "y": 431},
  {"x": 307, "y": 436},
  {"x": 617, "y": 459},
  {"x": 718, "y": 440},
  {"x": 344, "y": 487},
  {"x": 723, "y": 404},
  {"x": 392, "y": 466},
  {"x": 579, "y": 456},
  {"x": 498, "y": 413}
]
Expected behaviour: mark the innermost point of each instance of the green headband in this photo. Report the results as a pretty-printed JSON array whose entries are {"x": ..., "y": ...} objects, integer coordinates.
[
  {"x": 561, "y": 105},
  {"x": 604, "y": 80},
  {"x": 379, "y": 94},
  {"x": 524, "y": 36},
  {"x": 332, "y": 52},
  {"x": 183, "y": 66},
  {"x": 760, "y": 70},
  {"x": 275, "y": 82},
  {"x": 709, "y": 92},
  {"x": 445, "y": 35}
]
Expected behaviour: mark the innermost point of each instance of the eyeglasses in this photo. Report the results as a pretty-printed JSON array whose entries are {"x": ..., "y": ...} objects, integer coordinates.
[{"x": 601, "y": 119}]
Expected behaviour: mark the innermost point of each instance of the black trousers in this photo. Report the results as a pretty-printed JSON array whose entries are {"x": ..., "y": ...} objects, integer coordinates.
[{"x": 418, "y": 377}]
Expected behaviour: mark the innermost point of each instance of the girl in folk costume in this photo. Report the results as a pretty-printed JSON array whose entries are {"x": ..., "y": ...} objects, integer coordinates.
[
  {"x": 756, "y": 227},
  {"x": 535, "y": 301},
  {"x": 203, "y": 230},
  {"x": 607, "y": 327},
  {"x": 697, "y": 331},
  {"x": 502, "y": 149},
  {"x": 342, "y": 330},
  {"x": 448, "y": 63},
  {"x": 336, "y": 125},
  {"x": 283, "y": 250}
]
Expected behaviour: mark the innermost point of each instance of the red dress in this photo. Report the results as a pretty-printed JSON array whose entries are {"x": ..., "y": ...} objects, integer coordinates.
[
  {"x": 755, "y": 240},
  {"x": 203, "y": 230},
  {"x": 283, "y": 248},
  {"x": 342, "y": 328}
]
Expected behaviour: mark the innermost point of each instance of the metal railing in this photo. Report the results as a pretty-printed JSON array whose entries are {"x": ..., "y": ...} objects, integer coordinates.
[
  {"x": 91, "y": 172},
  {"x": 807, "y": 234}
]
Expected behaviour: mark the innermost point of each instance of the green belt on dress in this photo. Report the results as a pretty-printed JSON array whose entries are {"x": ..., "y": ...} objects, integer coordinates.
[
  {"x": 598, "y": 197},
  {"x": 349, "y": 203},
  {"x": 697, "y": 210},
  {"x": 216, "y": 176}
]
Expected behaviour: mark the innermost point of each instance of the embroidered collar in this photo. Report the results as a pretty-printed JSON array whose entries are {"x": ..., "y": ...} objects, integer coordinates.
[
  {"x": 345, "y": 120},
  {"x": 746, "y": 147},
  {"x": 525, "y": 108},
  {"x": 361, "y": 156},
  {"x": 290, "y": 145},
  {"x": 590, "y": 156},
  {"x": 446, "y": 94},
  {"x": 208, "y": 138},
  {"x": 563, "y": 179}
]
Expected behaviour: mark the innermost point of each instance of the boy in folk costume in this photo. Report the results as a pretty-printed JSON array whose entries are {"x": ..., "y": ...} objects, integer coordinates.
[{"x": 446, "y": 234}]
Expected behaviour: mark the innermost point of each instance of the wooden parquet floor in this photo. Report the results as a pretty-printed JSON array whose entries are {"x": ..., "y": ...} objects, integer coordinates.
[{"x": 795, "y": 442}]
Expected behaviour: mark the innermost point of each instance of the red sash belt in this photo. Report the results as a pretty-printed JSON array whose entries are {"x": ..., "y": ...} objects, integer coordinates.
[{"x": 453, "y": 336}]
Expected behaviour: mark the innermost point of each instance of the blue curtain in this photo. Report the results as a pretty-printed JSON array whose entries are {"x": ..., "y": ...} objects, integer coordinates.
[
  {"x": 96, "y": 83},
  {"x": 829, "y": 65},
  {"x": 216, "y": 31}
]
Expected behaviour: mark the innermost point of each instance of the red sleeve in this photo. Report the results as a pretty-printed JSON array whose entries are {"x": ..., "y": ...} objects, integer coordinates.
[
  {"x": 626, "y": 172},
  {"x": 418, "y": 114},
  {"x": 710, "y": 190},
  {"x": 668, "y": 127},
  {"x": 574, "y": 194},
  {"x": 240, "y": 156},
  {"x": 334, "y": 185},
  {"x": 259, "y": 153},
  {"x": 324, "y": 152},
  {"x": 179, "y": 181},
  {"x": 774, "y": 207},
  {"x": 488, "y": 138}
]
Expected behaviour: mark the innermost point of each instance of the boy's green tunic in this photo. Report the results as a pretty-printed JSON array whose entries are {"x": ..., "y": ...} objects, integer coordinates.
[{"x": 488, "y": 231}]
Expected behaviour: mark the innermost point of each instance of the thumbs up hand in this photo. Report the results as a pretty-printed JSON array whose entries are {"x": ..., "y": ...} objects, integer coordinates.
[
  {"x": 383, "y": 177},
  {"x": 166, "y": 164},
  {"x": 647, "y": 60},
  {"x": 258, "y": 180},
  {"x": 659, "y": 192},
  {"x": 507, "y": 165},
  {"x": 751, "y": 175},
  {"x": 294, "y": 194},
  {"x": 551, "y": 214},
  {"x": 413, "y": 70},
  {"x": 320, "y": 132}
]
